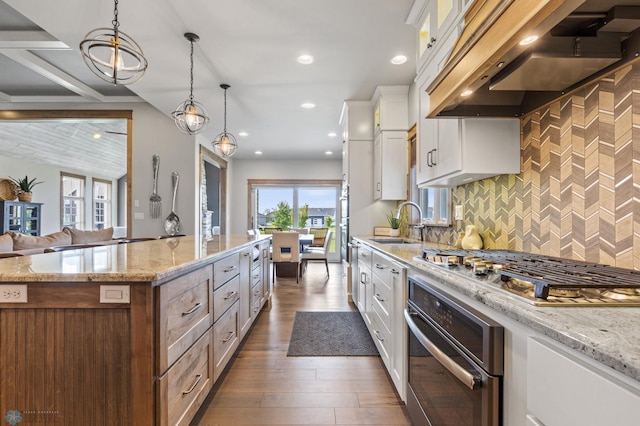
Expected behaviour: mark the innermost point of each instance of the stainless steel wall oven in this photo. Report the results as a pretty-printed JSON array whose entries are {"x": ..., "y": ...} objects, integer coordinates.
[{"x": 455, "y": 361}]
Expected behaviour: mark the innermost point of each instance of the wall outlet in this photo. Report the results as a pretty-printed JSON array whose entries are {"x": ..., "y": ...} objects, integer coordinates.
[
  {"x": 138, "y": 216},
  {"x": 13, "y": 293},
  {"x": 459, "y": 213}
]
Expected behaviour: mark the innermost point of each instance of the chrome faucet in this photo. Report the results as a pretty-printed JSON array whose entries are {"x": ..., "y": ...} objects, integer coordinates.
[{"x": 420, "y": 225}]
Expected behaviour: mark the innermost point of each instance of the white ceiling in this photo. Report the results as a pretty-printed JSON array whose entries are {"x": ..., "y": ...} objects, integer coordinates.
[{"x": 251, "y": 45}]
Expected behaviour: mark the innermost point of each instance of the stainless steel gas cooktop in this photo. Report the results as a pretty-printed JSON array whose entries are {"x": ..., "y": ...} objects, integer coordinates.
[{"x": 544, "y": 280}]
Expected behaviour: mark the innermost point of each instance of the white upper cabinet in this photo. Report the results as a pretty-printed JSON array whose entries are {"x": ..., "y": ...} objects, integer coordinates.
[
  {"x": 455, "y": 151},
  {"x": 390, "y": 160},
  {"x": 390, "y": 108},
  {"x": 390, "y": 165},
  {"x": 434, "y": 21}
]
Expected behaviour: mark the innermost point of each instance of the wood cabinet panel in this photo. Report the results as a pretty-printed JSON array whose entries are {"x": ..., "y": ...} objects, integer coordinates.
[
  {"x": 56, "y": 365},
  {"x": 186, "y": 384},
  {"x": 225, "y": 339},
  {"x": 225, "y": 269},
  {"x": 184, "y": 314},
  {"x": 225, "y": 296}
]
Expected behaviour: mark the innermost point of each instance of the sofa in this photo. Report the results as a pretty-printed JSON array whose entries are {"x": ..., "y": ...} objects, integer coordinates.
[{"x": 14, "y": 244}]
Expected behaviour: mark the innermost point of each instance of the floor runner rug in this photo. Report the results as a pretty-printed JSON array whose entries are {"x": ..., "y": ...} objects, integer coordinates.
[{"x": 330, "y": 334}]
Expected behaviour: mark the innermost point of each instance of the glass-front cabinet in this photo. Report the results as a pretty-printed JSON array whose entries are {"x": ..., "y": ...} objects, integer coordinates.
[
  {"x": 19, "y": 217},
  {"x": 434, "y": 22}
]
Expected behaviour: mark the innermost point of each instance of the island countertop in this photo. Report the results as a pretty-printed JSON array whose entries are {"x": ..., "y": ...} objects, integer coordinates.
[
  {"x": 607, "y": 335},
  {"x": 143, "y": 261}
]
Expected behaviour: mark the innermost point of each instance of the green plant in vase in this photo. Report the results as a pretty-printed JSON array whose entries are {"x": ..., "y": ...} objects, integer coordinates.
[
  {"x": 394, "y": 223},
  {"x": 25, "y": 187}
]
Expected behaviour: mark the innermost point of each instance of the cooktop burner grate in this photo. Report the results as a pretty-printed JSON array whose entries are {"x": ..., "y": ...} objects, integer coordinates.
[{"x": 546, "y": 272}]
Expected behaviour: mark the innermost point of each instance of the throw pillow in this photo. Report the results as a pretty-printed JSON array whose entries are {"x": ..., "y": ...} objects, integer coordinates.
[
  {"x": 85, "y": 237},
  {"x": 21, "y": 242},
  {"x": 6, "y": 242}
]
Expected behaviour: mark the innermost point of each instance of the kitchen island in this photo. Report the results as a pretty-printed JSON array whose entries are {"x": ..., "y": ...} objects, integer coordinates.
[
  {"x": 601, "y": 344},
  {"x": 131, "y": 333}
]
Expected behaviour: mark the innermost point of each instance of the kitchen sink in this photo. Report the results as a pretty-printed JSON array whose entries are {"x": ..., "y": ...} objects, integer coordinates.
[{"x": 393, "y": 241}]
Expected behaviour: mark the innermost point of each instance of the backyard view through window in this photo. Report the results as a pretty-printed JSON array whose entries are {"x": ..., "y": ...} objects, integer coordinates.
[{"x": 287, "y": 207}]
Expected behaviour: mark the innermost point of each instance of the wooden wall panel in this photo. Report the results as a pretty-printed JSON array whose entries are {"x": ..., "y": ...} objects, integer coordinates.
[
  {"x": 55, "y": 344},
  {"x": 578, "y": 193}
]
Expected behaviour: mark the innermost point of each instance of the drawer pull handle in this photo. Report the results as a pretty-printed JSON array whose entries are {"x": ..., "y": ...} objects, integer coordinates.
[
  {"x": 377, "y": 333},
  {"x": 198, "y": 378},
  {"x": 192, "y": 310},
  {"x": 377, "y": 296},
  {"x": 256, "y": 293},
  {"x": 379, "y": 266},
  {"x": 246, "y": 254},
  {"x": 230, "y": 295},
  {"x": 230, "y": 268},
  {"x": 363, "y": 278},
  {"x": 395, "y": 271},
  {"x": 256, "y": 276},
  {"x": 231, "y": 334}
]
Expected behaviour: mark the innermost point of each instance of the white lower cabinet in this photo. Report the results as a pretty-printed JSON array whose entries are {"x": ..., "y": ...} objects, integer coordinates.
[
  {"x": 563, "y": 389},
  {"x": 383, "y": 289}
]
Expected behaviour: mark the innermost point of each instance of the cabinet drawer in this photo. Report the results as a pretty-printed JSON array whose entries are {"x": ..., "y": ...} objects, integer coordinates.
[
  {"x": 381, "y": 301},
  {"x": 225, "y": 269},
  {"x": 225, "y": 296},
  {"x": 186, "y": 384},
  {"x": 383, "y": 267},
  {"x": 256, "y": 273},
  {"x": 382, "y": 339},
  {"x": 184, "y": 314},
  {"x": 256, "y": 293},
  {"x": 364, "y": 256},
  {"x": 225, "y": 339}
]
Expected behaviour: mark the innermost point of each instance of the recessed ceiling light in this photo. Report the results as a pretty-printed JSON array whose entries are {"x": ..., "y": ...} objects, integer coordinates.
[
  {"x": 528, "y": 40},
  {"x": 97, "y": 135},
  {"x": 308, "y": 105},
  {"x": 243, "y": 134},
  {"x": 258, "y": 152},
  {"x": 398, "y": 60},
  {"x": 305, "y": 59},
  {"x": 328, "y": 152},
  {"x": 332, "y": 135},
  {"x": 466, "y": 93}
]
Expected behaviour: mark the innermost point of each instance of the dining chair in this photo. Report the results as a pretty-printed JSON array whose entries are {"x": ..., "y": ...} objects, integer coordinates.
[
  {"x": 285, "y": 250},
  {"x": 319, "y": 235},
  {"x": 317, "y": 254}
]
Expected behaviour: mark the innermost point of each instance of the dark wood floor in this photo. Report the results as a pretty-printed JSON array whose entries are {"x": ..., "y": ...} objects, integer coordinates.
[{"x": 265, "y": 387}]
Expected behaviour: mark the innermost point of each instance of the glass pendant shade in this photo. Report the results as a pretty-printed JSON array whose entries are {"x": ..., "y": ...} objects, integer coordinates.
[
  {"x": 225, "y": 144},
  {"x": 112, "y": 55},
  {"x": 190, "y": 116}
]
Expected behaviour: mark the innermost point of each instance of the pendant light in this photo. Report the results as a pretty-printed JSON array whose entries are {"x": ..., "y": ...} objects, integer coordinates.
[
  {"x": 225, "y": 144},
  {"x": 112, "y": 55},
  {"x": 190, "y": 116}
]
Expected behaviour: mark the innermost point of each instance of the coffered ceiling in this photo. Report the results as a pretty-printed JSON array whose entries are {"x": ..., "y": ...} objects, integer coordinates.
[{"x": 250, "y": 44}]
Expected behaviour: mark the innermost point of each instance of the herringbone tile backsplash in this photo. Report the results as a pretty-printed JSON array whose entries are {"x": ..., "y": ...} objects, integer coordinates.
[{"x": 578, "y": 193}]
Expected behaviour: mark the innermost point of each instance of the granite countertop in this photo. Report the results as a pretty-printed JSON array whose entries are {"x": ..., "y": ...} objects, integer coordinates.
[
  {"x": 143, "y": 261},
  {"x": 614, "y": 342}
]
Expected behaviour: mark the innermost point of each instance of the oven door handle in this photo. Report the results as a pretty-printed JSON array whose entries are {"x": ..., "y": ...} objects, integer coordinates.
[{"x": 454, "y": 368}]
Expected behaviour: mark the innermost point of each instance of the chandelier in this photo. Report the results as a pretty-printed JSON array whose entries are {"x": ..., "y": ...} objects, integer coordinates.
[
  {"x": 190, "y": 116},
  {"x": 225, "y": 144},
  {"x": 112, "y": 55}
]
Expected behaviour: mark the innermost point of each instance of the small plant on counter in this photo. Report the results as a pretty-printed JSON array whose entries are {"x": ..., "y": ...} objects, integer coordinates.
[
  {"x": 25, "y": 185},
  {"x": 393, "y": 221}
]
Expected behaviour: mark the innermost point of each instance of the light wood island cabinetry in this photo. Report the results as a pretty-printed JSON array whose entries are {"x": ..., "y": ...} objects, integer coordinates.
[{"x": 129, "y": 334}]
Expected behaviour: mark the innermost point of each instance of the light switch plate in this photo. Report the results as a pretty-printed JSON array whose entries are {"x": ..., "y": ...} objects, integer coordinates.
[
  {"x": 459, "y": 213},
  {"x": 114, "y": 294}
]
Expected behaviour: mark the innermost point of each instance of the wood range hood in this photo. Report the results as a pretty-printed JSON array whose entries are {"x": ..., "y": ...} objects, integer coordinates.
[{"x": 578, "y": 41}]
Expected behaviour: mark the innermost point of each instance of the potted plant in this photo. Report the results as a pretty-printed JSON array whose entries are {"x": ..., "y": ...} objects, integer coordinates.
[
  {"x": 394, "y": 223},
  {"x": 24, "y": 187}
]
